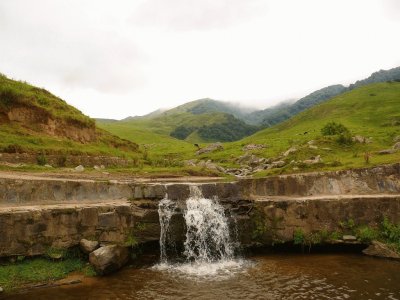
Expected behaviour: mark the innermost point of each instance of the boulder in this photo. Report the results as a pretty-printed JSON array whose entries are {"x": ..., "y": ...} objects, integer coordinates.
[
  {"x": 277, "y": 164},
  {"x": 380, "y": 250},
  {"x": 251, "y": 160},
  {"x": 250, "y": 147},
  {"x": 210, "y": 148},
  {"x": 109, "y": 258},
  {"x": 396, "y": 139},
  {"x": 290, "y": 151},
  {"x": 361, "y": 139},
  {"x": 349, "y": 238},
  {"x": 88, "y": 246},
  {"x": 387, "y": 151},
  {"x": 79, "y": 168},
  {"x": 396, "y": 146},
  {"x": 314, "y": 160}
]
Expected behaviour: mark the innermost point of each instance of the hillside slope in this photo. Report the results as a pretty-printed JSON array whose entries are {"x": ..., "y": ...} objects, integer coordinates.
[
  {"x": 196, "y": 122},
  {"x": 371, "y": 111},
  {"x": 32, "y": 120}
]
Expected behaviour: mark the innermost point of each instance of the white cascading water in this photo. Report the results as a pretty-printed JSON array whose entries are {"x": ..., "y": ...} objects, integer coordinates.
[
  {"x": 166, "y": 209},
  {"x": 207, "y": 229},
  {"x": 208, "y": 246}
]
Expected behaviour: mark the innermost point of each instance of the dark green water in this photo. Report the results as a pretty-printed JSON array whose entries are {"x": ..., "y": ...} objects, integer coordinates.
[{"x": 288, "y": 276}]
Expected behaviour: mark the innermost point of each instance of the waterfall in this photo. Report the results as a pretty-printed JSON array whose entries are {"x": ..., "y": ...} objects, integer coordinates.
[
  {"x": 208, "y": 247},
  {"x": 207, "y": 229},
  {"x": 166, "y": 209}
]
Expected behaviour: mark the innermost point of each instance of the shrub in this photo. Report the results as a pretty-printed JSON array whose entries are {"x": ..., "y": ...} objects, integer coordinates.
[
  {"x": 299, "y": 237},
  {"x": 13, "y": 148},
  {"x": 41, "y": 159},
  {"x": 333, "y": 128},
  {"x": 61, "y": 161},
  {"x": 367, "y": 234},
  {"x": 344, "y": 139}
]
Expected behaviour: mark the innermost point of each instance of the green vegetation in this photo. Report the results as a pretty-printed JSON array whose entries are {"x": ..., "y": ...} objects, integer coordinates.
[
  {"x": 26, "y": 117},
  {"x": 372, "y": 117},
  {"x": 26, "y": 272},
  {"x": 386, "y": 232},
  {"x": 333, "y": 128},
  {"x": 15, "y": 93}
]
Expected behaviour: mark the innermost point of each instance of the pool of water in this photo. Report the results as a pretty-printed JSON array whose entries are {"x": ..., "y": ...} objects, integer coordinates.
[{"x": 286, "y": 276}]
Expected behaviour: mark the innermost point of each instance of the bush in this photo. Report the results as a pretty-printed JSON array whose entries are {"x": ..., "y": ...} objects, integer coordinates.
[
  {"x": 333, "y": 128},
  {"x": 41, "y": 159},
  {"x": 367, "y": 234},
  {"x": 344, "y": 139},
  {"x": 13, "y": 148},
  {"x": 61, "y": 161},
  {"x": 299, "y": 237}
]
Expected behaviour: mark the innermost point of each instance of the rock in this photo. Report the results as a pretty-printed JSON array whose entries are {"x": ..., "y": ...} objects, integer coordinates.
[
  {"x": 102, "y": 167},
  {"x": 361, "y": 139},
  {"x": 397, "y": 146},
  {"x": 190, "y": 162},
  {"x": 278, "y": 164},
  {"x": 210, "y": 148},
  {"x": 109, "y": 259},
  {"x": 314, "y": 160},
  {"x": 48, "y": 166},
  {"x": 380, "y": 250},
  {"x": 250, "y": 147},
  {"x": 96, "y": 167},
  {"x": 386, "y": 151},
  {"x": 79, "y": 168},
  {"x": 313, "y": 147},
  {"x": 312, "y": 142},
  {"x": 88, "y": 246},
  {"x": 105, "y": 173},
  {"x": 1, "y": 290},
  {"x": 290, "y": 151},
  {"x": 251, "y": 160},
  {"x": 396, "y": 139},
  {"x": 349, "y": 238}
]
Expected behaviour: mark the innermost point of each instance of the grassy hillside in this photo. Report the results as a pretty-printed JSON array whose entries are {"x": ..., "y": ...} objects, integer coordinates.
[
  {"x": 32, "y": 120},
  {"x": 371, "y": 111},
  {"x": 189, "y": 122}
]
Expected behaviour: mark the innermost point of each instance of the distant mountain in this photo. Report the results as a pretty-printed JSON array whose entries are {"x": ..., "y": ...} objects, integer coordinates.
[
  {"x": 153, "y": 114},
  {"x": 203, "y": 120},
  {"x": 282, "y": 112},
  {"x": 380, "y": 76}
]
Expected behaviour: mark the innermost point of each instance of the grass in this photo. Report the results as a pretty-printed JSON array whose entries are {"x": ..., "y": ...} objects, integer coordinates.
[
  {"x": 39, "y": 270},
  {"x": 24, "y": 137},
  {"x": 14, "y": 92}
]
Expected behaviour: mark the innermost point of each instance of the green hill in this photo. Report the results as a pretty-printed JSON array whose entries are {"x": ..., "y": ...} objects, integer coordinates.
[
  {"x": 199, "y": 121},
  {"x": 371, "y": 111},
  {"x": 32, "y": 120}
]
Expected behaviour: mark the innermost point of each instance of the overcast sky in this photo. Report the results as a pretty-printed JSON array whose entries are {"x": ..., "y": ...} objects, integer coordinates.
[{"x": 119, "y": 58}]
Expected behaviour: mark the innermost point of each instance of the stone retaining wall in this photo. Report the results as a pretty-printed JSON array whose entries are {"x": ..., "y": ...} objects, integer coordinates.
[{"x": 36, "y": 215}]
